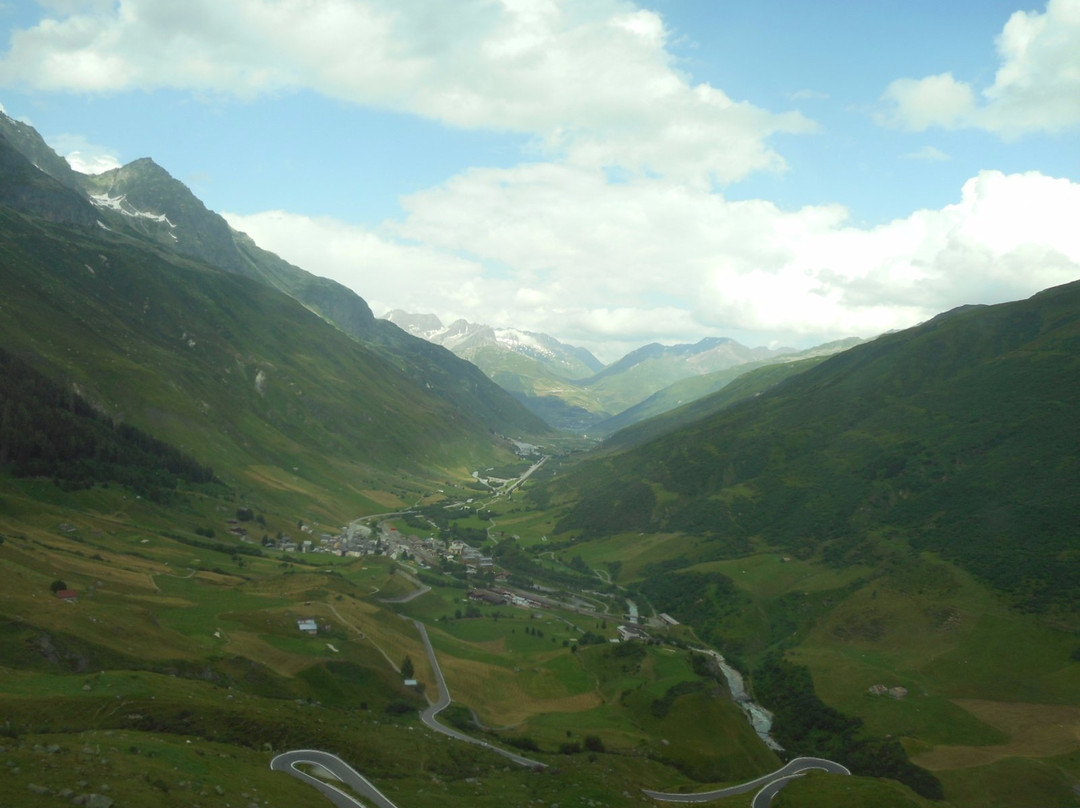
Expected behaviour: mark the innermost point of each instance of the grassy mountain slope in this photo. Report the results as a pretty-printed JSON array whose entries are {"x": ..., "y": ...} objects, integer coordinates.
[
  {"x": 953, "y": 432},
  {"x": 651, "y": 368},
  {"x": 143, "y": 200},
  {"x": 24, "y": 187},
  {"x": 667, "y": 409},
  {"x": 885, "y": 543},
  {"x": 432, "y": 366},
  {"x": 697, "y": 387},
  {"x": 226, "y": 368}
]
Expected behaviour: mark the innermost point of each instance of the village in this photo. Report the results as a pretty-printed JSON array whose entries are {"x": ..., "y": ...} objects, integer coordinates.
[{"x": 449, "y": 556}]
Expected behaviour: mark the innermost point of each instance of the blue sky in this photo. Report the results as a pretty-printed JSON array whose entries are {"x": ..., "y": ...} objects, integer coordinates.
[{"x": 608, "y": 172}]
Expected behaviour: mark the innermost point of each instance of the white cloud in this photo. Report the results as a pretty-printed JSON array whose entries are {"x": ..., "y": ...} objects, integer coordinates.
[
  {"x": 84, "y": 156},
  {"x": 558, "y": 249},
  {"x": 92, "y": 163},
  {"x": 1036, "y": 88},
  {"x": 382, "y": 270},
  {"x": 591, "y": 79},
  {"x": 929, "y": 154},
  {"x": 933, "y": 101}
]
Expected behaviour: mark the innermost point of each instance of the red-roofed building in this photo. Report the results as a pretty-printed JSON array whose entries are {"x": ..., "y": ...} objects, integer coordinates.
[{"x": 70, "y": 595}]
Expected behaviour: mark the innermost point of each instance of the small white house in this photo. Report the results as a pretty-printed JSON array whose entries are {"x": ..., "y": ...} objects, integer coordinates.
[{"x": 308, "y": 626}]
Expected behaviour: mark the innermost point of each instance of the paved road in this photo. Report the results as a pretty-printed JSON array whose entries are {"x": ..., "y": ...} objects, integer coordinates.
[
  {"x": 428, "y": 716},
  {"x": 288, "y": 762},
  {"x": 767, "y": 784},
  {"x": 526, "y": 475}
]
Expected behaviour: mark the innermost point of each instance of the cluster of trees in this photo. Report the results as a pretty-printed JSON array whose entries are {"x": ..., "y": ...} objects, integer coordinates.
[
  {"x": 49, "y": 431},
  {"x": 805, "y": 725},
  {"x": 701, "y": 599},
  {"x": 512, "y": 557}
]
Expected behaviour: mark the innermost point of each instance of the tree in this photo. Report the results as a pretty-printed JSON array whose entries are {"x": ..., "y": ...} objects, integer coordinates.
[
  {"x": 407, "y": 669},
  {"x": 57, "y": 585}
]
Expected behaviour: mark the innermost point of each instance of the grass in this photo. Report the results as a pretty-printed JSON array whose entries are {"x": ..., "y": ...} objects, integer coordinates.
[
  {"x": 944, "y": 647},
  {"x": 148, "y": 610},
  {"x": 769, "y": 575},
  {"x": 821, "y": 790},
  {"x": 1029, "y": 730},
  {"x": 1015, "y": 782},
  {"x": 140, "y": 768}
]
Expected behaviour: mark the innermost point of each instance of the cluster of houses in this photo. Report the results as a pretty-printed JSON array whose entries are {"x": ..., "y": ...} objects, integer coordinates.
[{"x": 357, "y": 540}]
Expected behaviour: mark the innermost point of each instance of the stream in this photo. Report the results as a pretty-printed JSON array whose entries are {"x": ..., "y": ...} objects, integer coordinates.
[{"x": 760, "y": 718}]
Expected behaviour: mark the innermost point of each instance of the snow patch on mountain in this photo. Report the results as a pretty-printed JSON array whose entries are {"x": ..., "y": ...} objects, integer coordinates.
[
  {"x": 466, "y": 339},
  {"x": 121, "y": 205},
  {"x": 526, "y": 343}
]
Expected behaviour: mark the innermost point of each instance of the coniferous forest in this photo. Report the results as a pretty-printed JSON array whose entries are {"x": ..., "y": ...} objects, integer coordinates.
[{"x": 49, "y": 431}]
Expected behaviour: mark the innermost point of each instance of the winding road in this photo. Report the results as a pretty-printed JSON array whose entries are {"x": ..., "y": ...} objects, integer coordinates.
[
  {"x": 290, "y": 761},
  {"x": 768, "y": 785},
  {"x": 428, "y": 716}
]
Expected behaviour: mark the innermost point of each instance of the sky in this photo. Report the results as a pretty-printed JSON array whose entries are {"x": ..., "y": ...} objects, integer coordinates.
[{"x": 608, "y": 172}]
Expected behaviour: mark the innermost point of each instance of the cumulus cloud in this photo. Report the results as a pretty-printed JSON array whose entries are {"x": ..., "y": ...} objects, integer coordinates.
[
  {"x": 593, "y": 80},
  {"x": 559, "y": 249},
  {"x": 84, "y": 156},
  {"x": 381, "y": 269},
  {"x": 1036, "y": 87}
]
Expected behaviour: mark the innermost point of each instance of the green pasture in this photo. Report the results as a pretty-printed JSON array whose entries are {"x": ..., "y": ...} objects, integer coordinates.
[
  {"x": 439, "y": 603},
  {"x": 842, "y": 679},
  {"x": 530, "y": 526},
  {"x": 173, "y": 771},
  {"x": 822, "y": 790},
  {"x": 208, "y": 607},
  {"x": 708, "y": 737},
  {"x": 472, "y": 521},
  {"x": 94, "y": 686},
  {"x": 307, "y": 646},
  {"x": 609, "y": 722},
  {"x": 768, "y": 575},
  {"x": 637, "y": 552},
  {"x": 1011, "y": 783},
  {"x": 703, "y": 734},
  {"x": 939, "y": 650},
  {"x": 1010, "y": 657}
]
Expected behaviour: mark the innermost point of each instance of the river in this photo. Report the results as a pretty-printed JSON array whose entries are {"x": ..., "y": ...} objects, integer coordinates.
[{"x": 760, "y": 718}]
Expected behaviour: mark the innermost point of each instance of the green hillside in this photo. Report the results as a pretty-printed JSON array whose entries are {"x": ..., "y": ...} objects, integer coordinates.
[
  {"x": 667, "y": 410},
  {"x": 884, "y": 543},
  {"x": 143, "y": 200},
  {"x": 225, "y": 368},
  {"x": 955, "y": 433}
]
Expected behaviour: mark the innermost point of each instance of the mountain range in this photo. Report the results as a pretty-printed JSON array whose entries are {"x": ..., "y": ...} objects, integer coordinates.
[
  {"x": 571, "y": 389},
  {"x": 124, "y": 285}
]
